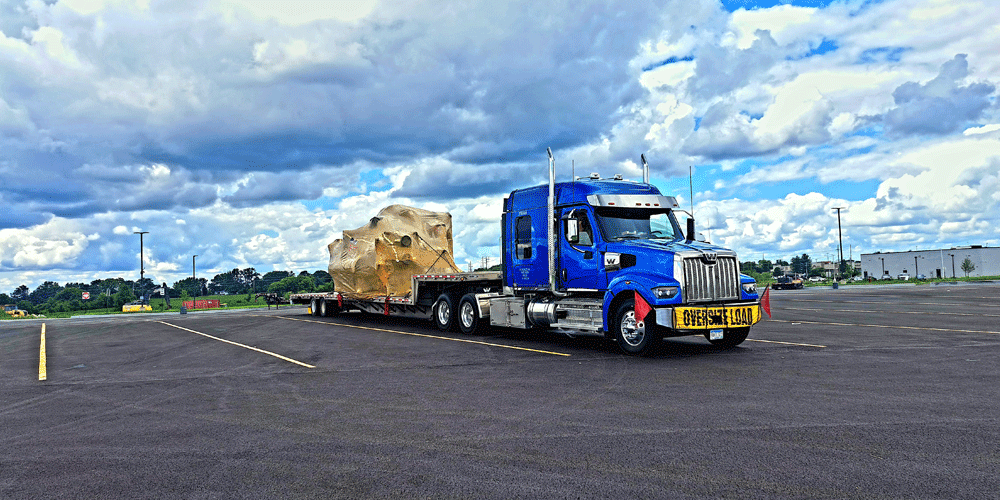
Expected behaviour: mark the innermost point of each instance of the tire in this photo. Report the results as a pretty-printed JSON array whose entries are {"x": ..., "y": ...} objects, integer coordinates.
[
  {"x": 468, "y": 318},
  {"x": 626, "y": 332},
  {"x": 327, "y": 308},
  {"x": 730, "y": 338},
  {"x": 443, "y": 313},
  {"x": 314, "y": 307}
]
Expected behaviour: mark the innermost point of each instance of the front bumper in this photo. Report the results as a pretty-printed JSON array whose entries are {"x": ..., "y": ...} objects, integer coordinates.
[{"x": 707, "y": 317}]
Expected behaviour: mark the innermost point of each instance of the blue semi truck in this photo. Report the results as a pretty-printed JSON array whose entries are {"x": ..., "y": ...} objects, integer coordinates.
[{"x": 590, "y": 256}]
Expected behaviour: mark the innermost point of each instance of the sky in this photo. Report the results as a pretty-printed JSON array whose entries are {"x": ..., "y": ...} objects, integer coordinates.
[{"x": 251, "y": 133}]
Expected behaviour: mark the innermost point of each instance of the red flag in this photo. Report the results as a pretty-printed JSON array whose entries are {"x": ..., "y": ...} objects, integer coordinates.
[
  {"x": 641, "y": 307},
  {"x": 765, "y": 301}
]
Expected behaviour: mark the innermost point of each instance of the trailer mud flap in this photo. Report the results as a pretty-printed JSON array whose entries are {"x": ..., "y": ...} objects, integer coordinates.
[{"x": 705, "y": 318}]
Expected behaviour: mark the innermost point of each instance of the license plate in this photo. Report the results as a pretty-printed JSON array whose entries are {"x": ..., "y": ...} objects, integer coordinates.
[{"x": 705, "y": 318}]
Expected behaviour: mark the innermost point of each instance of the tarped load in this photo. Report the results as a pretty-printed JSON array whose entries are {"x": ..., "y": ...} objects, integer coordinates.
[{"x": 379, "y": 258}]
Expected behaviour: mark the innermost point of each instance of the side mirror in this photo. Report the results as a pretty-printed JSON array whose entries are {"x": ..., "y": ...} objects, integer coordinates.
[{"x": 572, "y": 231}]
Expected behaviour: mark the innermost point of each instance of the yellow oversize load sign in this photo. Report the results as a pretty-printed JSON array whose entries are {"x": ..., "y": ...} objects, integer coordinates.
[{"x": 703, "y": 318}]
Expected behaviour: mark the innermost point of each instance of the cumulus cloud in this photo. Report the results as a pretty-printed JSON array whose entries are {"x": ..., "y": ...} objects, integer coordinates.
[
  {"x": 942, "y": 105},
  {"x": 251, "y": 133}
]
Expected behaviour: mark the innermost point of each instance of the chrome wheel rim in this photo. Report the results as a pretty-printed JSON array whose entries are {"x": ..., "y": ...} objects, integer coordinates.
[
  {"x": 444, "y": 312},
  {"x": 632, "y": 331},
  {"x": 468, "y": 315}
]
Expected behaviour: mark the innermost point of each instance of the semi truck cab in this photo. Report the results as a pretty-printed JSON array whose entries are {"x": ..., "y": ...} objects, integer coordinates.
[{"x": 608, "y": 256}]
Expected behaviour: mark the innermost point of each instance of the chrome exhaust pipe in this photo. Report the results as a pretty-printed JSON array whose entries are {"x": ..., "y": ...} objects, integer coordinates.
[
  {"x": 645, "y": 169},
  {"x": 553, "y": 287}
]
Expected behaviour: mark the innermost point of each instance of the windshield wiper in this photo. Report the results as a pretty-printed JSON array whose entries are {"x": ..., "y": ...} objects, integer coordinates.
[{"x": 627, "y": 237}]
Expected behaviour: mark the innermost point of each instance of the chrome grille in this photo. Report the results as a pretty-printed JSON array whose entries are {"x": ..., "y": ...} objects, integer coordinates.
[{"x": 718, "y": 281}]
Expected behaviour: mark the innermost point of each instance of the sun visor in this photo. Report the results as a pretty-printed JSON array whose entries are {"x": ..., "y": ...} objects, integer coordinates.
[{"x": 380, "y": 258}]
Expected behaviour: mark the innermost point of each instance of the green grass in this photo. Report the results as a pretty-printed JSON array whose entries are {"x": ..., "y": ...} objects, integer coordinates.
[{"x": 159, "y": 305}]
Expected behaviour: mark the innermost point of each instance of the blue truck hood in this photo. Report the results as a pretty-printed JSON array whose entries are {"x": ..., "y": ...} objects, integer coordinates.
[
  {"x": 658, "y": 247},
  {"x": 655, "y": 258}
]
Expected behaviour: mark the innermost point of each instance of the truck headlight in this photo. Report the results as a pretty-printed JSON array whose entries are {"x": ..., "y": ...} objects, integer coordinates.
[
  {"x": 665, "y": 292},
  {"x": 750, "y": 287}
]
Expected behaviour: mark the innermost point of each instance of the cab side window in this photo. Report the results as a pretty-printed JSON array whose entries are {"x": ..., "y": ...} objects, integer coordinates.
[
  {"x": 577, "y": 229},
  {"x": 522, "y": 237}
]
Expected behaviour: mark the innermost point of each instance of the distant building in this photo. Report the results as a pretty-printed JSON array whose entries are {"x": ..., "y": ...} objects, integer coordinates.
[
  {"x": 829, "y": 267},
  {"x": 942, "y": 263}
]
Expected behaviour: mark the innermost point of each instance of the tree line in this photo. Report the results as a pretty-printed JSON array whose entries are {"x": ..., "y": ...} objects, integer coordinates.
[{"x": 113, "y": 293}]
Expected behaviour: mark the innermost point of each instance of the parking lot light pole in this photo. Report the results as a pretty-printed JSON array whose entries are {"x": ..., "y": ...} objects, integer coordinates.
[
  {"x": 142, "y": 269},
  {"x": 194, "y": 275},
  {"x": 952, "y": 265},
  {"x": 840, "y": 233},
  {"x": 916, "y": 267}
]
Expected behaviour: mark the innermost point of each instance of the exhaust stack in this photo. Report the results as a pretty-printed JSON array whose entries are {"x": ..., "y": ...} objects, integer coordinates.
[
  {"x": 645, "y": 169},
  {"x": 553, "y": 287}
]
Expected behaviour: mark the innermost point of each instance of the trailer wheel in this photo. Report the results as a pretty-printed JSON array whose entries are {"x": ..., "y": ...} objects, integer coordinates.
[
  {"x": 326, "y": 308},
  {"x": 730, "y": 338},
  {"x": 631, "y": 336},
  {"x": 469, "y": 321},
  {"x": 444, "y": 313},
  {"x": 314, "y": 307}
]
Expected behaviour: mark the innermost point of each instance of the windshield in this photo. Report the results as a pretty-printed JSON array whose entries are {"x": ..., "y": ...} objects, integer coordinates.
[{"x": 638, "y": 224}]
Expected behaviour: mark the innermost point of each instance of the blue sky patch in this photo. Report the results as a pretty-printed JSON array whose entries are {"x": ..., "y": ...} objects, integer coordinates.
[
  {"x": 882, "y": 54},
  {"x": 734, "y": 5},
  {"x": 667, "y": 61}
]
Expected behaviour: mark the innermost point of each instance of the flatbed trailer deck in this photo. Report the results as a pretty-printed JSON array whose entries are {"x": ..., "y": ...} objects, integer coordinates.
[{"x": 429, "y": 292}]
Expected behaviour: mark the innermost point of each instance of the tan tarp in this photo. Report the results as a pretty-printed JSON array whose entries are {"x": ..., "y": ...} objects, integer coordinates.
[{"x": 379, "y": 258}]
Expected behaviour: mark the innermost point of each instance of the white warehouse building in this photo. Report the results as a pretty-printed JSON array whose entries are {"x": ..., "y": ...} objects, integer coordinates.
[{"x": 943, "y": 263}]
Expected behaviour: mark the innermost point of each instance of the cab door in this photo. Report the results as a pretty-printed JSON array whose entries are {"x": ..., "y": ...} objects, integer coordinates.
[{"x": 580, "y": 265}]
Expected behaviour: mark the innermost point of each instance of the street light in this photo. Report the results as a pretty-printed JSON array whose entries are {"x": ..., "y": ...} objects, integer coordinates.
[
  {"x": 952, "y": 265},
  {"x": 883, "y": 265},
  {"x": 840, "y": 232},
  {"x": 142, "y": 270},
  {"x": 194, "y": 276}
]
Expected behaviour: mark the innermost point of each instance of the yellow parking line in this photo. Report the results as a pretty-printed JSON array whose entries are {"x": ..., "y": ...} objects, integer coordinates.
[
  {"x": 886, "y": 326},
  {"x": 426, "y": 336},
  {"x": 269, "y": 353},
  {"x": 785, "y": 343},
  {"x": 42, "y": 372}
]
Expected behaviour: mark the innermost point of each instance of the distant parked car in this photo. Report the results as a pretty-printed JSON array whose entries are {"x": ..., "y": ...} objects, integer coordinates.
[
  {"x": 816, "y": 279},
  {"x": 885, "y": 277},
  {"x": 903, "y": 277},
  {"x": 921, "y": 276},
  {"x": 856, "y": 278}
]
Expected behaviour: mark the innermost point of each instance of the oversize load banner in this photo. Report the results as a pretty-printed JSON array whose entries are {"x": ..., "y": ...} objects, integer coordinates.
[{"x": 698, "y": 318}]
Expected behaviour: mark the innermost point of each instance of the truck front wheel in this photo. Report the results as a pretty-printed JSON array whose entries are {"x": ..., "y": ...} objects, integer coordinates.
[
  {"x": 632, "y": 336},
  {"x": 469, "y": 321},
  {"x": 730, "y": 338},
  {"x": 444, "y": 313}
]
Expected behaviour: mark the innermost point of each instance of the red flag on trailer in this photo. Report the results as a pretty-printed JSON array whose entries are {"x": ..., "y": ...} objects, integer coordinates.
[
  {"x": 765, "y": 301},
  {"x": 641, "y": 307}
]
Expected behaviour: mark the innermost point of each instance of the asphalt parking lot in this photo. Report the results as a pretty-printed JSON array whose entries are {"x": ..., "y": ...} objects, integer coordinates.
[{"x": 862, "y": 392}]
